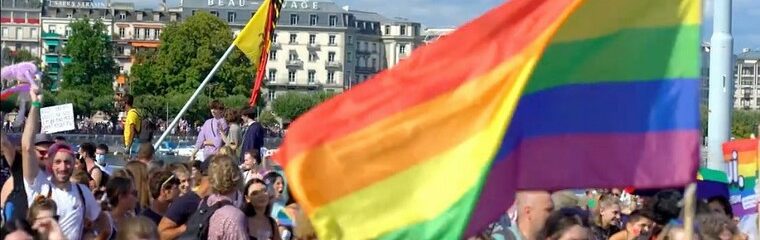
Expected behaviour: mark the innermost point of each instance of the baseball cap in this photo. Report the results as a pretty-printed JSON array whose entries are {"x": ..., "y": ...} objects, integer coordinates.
[{"x": 42, "y": 138}]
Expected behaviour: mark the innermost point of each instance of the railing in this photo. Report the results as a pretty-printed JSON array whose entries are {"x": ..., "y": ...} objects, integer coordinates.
[
  {"x": 295, "y": 63},
  {"x": 333, "y": 64}
]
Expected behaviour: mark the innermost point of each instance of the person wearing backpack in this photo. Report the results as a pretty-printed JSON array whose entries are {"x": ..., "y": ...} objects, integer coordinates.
[
  {"x": 217, "y": 216},
  {"x": 77, "y": 206},
  {"x": 132, "y": 124}
]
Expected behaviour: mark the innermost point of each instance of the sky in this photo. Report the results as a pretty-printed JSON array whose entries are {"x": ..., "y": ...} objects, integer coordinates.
[{"x": 452, "y": 13}]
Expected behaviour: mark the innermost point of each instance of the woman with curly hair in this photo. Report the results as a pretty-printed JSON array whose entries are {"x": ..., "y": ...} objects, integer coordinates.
[{"x": 228, "y": 222}]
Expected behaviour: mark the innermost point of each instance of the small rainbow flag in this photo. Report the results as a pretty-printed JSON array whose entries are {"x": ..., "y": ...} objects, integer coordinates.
[
  {"x": 535, "y": 94},
  {"x": 741, "y": 169}
]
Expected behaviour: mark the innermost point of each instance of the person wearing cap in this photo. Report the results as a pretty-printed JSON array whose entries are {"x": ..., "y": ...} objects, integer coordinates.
[
  {"x": 13, "y": 198},
  {"x": 172, "y": 225},
  {"x": 76, "y": 203}
]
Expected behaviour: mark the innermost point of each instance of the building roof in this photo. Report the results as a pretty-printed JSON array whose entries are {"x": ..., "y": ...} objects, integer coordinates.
[
  {"x": 369, "y": 16},
  {"x": 749, "y": 55}
]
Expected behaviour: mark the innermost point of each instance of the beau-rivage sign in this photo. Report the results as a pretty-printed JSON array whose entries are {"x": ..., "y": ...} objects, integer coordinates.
[
  {"x": 243, "y": 3},
  {"x": 78, "y": 4}
]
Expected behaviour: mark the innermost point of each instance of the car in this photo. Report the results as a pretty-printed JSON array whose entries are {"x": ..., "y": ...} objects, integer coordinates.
[{"x": 166, "y": 148}]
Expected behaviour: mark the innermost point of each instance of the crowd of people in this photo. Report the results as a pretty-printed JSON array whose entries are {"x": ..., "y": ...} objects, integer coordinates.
[
  {"x": 51, "y": 191},
  {"x": 618, "y": 215}
]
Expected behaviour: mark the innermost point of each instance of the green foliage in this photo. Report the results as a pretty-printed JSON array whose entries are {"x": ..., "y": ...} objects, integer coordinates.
[
  {"x": 267, "y": 118},
  {"x": 79, "y": 98},
  {"x": 292, "y": 104},
  {"x": 745, "y": 123},
  {"x": 187, "y": 53},
  {"x": 92, "y": 69},
  {"x": 235, "y": 101},
  {"x": 103, "y": 103},
  {"x": 8, "y": 57}
]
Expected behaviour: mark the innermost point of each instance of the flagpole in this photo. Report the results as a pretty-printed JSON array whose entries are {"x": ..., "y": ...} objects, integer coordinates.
[{"x": 195, "y": 95}]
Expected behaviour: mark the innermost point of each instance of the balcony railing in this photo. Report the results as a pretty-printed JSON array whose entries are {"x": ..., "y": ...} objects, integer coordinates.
[
  {"x": 295, "y": 63},
  {"x": 313, "y": 47},
  {"x": 333, "y": 64}
]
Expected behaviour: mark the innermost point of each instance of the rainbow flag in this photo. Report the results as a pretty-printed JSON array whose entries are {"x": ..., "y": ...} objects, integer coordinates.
[
  {"x": 741, "y": 169},
  {"x": 535, "y": 94}
]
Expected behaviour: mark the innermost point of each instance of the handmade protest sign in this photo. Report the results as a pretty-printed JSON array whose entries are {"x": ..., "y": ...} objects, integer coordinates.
[{"x": 58, "y": 118}]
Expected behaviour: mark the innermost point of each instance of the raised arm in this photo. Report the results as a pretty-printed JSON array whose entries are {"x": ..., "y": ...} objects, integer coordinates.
[{"x": 30, "y": 165}]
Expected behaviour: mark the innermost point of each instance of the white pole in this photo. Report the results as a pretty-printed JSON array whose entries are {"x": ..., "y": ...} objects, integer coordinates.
[{"x": 195, "y": 95}]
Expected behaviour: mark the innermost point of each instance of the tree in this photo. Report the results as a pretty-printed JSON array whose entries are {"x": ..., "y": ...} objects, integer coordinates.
[
  {"x": 267, "y": 118},
  {"x": 744, "y": 123},
  {"x": 9, "y": 57},
  {"x": 291, "y": 105},
  {"x": 187, "y": 53},
  {"x": 79, "y": 98},
  {"x": 92, "y": 68}
]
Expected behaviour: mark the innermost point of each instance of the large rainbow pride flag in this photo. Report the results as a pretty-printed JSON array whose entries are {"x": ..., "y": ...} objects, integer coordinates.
[{"x": 535, "y": 94}]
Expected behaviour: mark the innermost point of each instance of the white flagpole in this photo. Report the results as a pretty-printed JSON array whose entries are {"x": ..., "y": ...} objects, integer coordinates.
[{"x": 195, "y": 95}]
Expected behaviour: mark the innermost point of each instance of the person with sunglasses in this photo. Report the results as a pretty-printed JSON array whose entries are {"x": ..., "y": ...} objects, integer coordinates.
[
  {"x": 164, "y": 188},
  {"x": 258, "y": 209}
]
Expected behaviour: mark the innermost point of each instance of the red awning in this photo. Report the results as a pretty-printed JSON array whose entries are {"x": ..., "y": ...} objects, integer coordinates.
[{"x": 19, "y": 20}]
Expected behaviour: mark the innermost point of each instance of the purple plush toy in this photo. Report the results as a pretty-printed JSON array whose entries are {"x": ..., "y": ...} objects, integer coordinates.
[{"x": 25, "y": 74}]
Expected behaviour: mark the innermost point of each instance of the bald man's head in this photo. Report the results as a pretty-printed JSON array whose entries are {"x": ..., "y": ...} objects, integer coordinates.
[{"x": 533, "y": 208}]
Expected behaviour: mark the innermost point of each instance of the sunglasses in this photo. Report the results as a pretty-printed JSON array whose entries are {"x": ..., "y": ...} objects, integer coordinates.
[{"x": 256, "y": 192}]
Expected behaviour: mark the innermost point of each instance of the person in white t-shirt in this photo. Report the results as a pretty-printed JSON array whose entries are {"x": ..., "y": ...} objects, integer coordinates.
[{"x": 76, "y": 204}]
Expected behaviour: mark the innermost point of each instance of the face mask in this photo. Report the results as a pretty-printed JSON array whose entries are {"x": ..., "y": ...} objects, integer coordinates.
[{"x": 100, "y": 158}]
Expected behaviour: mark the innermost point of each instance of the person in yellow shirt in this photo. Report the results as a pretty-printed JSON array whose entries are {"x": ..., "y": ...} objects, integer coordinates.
[{"x": 132, "y": 122}]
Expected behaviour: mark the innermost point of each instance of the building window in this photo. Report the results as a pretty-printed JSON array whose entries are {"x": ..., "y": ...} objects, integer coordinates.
[
  {"x": 366, "y": 46},
  {"x": 332, "y": 40},
  {"x": 312, "y": 57},
  {"x": 330, "y": 77},
  {"x": 374, "y": 64},
  {"x": 348, "y": 57},
  {"x": 293, "y": 19},
  {"x": 215, "y": 13},
  {"x": 138, "y": 33},
  {"x": 293, "y": 55},
  {"x": 387, "y": 30},
  {"x": 231, "y": 17},
  {"x": 402, "y": 48},
  {"x": 403, "y": 30},
  {"x": 122, "y": 16},
  {"x": 333, "y": 20},
  {"x": 51, "y": 48},
  {"x": 121, "y": 32},
  {"x": 374, "y": 47},
  {"x": 272, "y": 75},
  {"x": 312, "y": 76},
  {"x": 69, "y": 15},
  {"x": 312, "y": 39},
  {"x": 273, "y": 55},
  {"x": 51, "y": 29},
  {"x": 68, "y": 31},
  {"x": 292, "y": 38},
  {"x": 158, "y": 33},
  {"x": 350, "y": 39},
  {"x": 33, "y": 33},
  {"x": 5, "y": 32},
  {"x": 292, "y": 76},
  {"x": 19, "y": 33},
  {"x": 313, "y": 19},
  {"x": 331, "y": 57}
]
